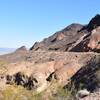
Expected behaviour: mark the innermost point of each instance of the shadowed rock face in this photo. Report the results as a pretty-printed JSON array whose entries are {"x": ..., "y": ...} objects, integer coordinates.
[
  {"x": 94, "y": 23},
  {"x": 88, "y": 77},
  {"x": 75, "y": 37}
]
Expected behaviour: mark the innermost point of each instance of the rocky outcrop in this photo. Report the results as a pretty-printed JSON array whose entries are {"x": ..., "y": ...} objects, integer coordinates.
[
  {"x": 89, "y": 42},
  {"x": 74, "y": 38},
  {"x": 94, "y": 23},
  {"x": 87, "y": 77},
  {"x": 61, "y": 40},
  {"x": 94, "y": 43}
]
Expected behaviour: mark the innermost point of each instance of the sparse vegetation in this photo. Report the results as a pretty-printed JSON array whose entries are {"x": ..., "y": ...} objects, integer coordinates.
[
  {"x": 57, "y": 92},
  {"x": 15, "y": 92},
  {"x": 63, "y": 94},
  {"x": 19, "y": 93},
  {"x": 3, "y": 68}
]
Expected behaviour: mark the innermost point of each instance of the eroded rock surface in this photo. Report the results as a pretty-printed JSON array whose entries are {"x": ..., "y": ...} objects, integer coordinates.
[
  {"x": 94, "y": 43},
  {"x": 45, "y": 67},
  {"x": 75, "y": 38}
]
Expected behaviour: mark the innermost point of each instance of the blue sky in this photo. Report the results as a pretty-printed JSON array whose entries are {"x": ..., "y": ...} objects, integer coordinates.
[{"x": 22, "y": 22}]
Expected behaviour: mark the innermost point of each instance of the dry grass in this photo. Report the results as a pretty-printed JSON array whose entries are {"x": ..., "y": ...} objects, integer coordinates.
[
  {"x": 3, "y": 67},
  {"x": 19, "y": 93}
]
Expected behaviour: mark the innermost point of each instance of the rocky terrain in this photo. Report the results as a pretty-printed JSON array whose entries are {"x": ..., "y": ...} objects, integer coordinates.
[
  {"x": 61, "y": 67},
  {"x": 75, "y": 37}
]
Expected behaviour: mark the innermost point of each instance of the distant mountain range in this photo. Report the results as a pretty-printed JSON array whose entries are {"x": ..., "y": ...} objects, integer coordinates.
[{"x": 6, "y": 50}]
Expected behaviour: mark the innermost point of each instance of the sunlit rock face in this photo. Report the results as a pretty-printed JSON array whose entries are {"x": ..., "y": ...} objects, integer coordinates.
[{"x": 94, "y": 42}]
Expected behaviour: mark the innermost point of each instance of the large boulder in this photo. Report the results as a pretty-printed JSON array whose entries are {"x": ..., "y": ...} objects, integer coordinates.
[{"x": 82, "y": 93}]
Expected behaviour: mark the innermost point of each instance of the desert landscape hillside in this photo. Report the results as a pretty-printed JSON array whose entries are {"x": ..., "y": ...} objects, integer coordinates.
[
  {"x": 64, "y": 66},
  {"x": 75, "y": 37}
]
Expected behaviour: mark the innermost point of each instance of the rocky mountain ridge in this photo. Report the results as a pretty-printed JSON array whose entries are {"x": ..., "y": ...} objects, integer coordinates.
[
  {"x": 75, "y": 37},
  {"x": 68, "y": 57}
]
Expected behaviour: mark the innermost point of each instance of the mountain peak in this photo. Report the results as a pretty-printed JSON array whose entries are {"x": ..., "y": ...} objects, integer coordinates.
[
  {"x": 22, "y": 48},
  {"x": 94, "y": 22}
]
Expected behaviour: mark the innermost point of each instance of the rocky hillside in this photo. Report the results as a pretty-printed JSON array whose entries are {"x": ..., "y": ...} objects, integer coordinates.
[
  {"x": 58, "y": 68},
  {"x": 75, "y": 37}
]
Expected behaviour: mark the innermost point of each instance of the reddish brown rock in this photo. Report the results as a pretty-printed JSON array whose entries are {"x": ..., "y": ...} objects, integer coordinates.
[
  {"x": 94, "y": 42},
  {"x": 74, "y": 38}
]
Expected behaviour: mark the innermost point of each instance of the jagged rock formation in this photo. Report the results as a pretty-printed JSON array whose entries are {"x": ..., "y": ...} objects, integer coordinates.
[
  {"x": 94, "y": 23},
  {"x": 61, "y": 40},
  {"x": 74, "y": 38}
]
